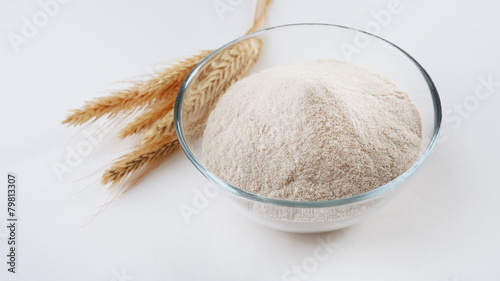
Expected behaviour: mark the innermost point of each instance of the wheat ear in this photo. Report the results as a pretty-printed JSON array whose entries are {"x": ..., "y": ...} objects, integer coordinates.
[
  {"x": 134, "y": 161},
  {"x": 149, "y": 117},
  {"x": 222, "y": 71},
  {"x": 162, "y": 127},
  {"x": 139, "y": 95}
]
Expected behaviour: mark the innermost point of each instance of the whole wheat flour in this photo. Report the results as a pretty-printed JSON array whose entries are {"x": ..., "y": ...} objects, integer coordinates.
[{"x": 320, "y": 130}]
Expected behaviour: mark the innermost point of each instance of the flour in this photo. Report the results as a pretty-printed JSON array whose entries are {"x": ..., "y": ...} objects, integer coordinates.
[{"x": 314, "y": 131}]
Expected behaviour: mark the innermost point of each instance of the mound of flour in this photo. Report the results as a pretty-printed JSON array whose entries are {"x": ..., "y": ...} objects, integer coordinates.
[{"x": 313, "y": 131}]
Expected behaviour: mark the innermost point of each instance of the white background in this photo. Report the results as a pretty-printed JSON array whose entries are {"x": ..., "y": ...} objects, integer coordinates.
[{"x": 444, "y": 226}]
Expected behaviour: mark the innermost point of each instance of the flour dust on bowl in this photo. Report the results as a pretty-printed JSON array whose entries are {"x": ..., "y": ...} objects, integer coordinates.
[{"x": 302, "y": 132}]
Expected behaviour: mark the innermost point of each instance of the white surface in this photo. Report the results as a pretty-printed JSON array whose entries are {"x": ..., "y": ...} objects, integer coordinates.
[{"x": 445, "y": 226}]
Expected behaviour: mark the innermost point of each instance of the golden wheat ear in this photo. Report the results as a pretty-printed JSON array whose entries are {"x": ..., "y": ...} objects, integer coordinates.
[
  {"x": 139, "y": 159},
  {"x": 222, "y": 71},
  {"x": 161, "y": 85},
  {"x": 162, "y": 127},
  {"x": 149, "y": 117}
]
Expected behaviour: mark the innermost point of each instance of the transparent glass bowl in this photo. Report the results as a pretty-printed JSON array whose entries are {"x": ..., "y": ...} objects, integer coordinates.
[{"x": 305, "y": 42}]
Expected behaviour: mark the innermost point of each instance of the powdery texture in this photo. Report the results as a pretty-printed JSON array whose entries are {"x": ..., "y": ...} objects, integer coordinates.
[{"x": 314, "y": 131}]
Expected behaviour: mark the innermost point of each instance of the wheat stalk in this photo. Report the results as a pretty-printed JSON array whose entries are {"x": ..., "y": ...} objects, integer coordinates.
[
  {"x": 139, "y": 95},
  {"x": 260, "y": 12}
]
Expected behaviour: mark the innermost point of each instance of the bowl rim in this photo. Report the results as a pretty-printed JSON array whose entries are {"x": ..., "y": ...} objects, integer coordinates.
[{"x": 307, "y": 204}]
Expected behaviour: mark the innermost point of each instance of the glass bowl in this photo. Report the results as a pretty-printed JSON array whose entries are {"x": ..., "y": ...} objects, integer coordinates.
[{"x": 306, "y": 42}]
